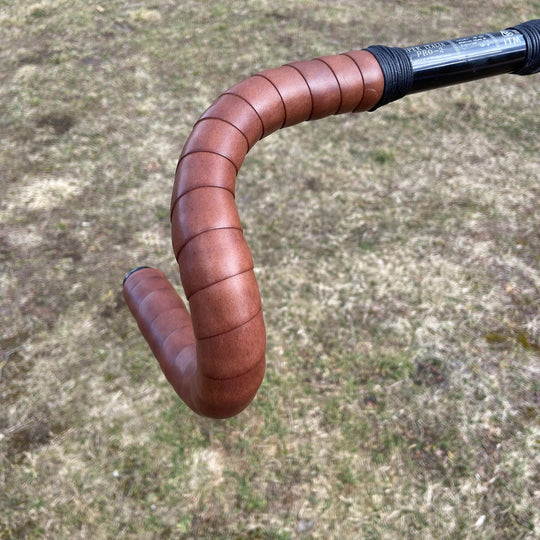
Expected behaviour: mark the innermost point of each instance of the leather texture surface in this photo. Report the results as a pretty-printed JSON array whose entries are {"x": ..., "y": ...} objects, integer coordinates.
[{"x": 215, "y": 358}]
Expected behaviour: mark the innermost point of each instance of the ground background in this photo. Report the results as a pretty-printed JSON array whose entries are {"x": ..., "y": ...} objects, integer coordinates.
[{"x": 398, "y": 259}]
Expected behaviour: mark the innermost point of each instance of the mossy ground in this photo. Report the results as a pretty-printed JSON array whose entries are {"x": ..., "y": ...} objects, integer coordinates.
[{"x": 397, "y": 254}]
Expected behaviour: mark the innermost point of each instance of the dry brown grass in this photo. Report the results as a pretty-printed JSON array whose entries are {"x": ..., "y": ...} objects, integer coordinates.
[{"x": 397, "y": 255}]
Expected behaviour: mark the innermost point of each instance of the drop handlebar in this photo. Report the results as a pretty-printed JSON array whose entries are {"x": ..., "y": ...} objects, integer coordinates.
[{"x": 215, "y": 358}]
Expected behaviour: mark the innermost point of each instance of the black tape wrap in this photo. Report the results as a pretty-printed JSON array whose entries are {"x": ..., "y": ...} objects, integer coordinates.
[
  {"x": 531, "y": 32},
  {"x": 397, "y": 70}
]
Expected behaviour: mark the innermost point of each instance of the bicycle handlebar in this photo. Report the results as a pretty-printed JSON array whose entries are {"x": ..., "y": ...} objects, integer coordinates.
[{"x": 215, "y": 358}]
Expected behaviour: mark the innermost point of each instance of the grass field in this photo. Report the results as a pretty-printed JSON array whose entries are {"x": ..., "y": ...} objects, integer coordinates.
[{"x": 397, "y": 253}]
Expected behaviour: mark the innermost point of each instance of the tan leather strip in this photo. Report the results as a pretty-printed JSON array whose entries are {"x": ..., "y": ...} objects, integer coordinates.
[{"x": 214, "y": 358}]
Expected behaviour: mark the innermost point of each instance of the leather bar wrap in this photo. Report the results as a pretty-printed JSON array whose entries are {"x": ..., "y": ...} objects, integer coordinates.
[{"x": 215, "y": 358}]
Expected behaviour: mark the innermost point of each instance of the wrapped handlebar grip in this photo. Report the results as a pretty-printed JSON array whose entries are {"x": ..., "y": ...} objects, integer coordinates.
[{"x": 215, "y": 357}]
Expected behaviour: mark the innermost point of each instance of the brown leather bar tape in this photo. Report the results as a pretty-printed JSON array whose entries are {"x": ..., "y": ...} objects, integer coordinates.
[{"x": 215, "y": 358}]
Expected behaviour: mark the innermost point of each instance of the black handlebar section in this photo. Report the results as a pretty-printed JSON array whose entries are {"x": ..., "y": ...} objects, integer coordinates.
[
  {"x": 465, "y": 59},
  {"x": 433, "y": 65}
]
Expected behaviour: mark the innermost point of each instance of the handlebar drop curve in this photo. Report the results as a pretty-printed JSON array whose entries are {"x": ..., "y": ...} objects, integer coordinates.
[{"x": 215, "y": 359}]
